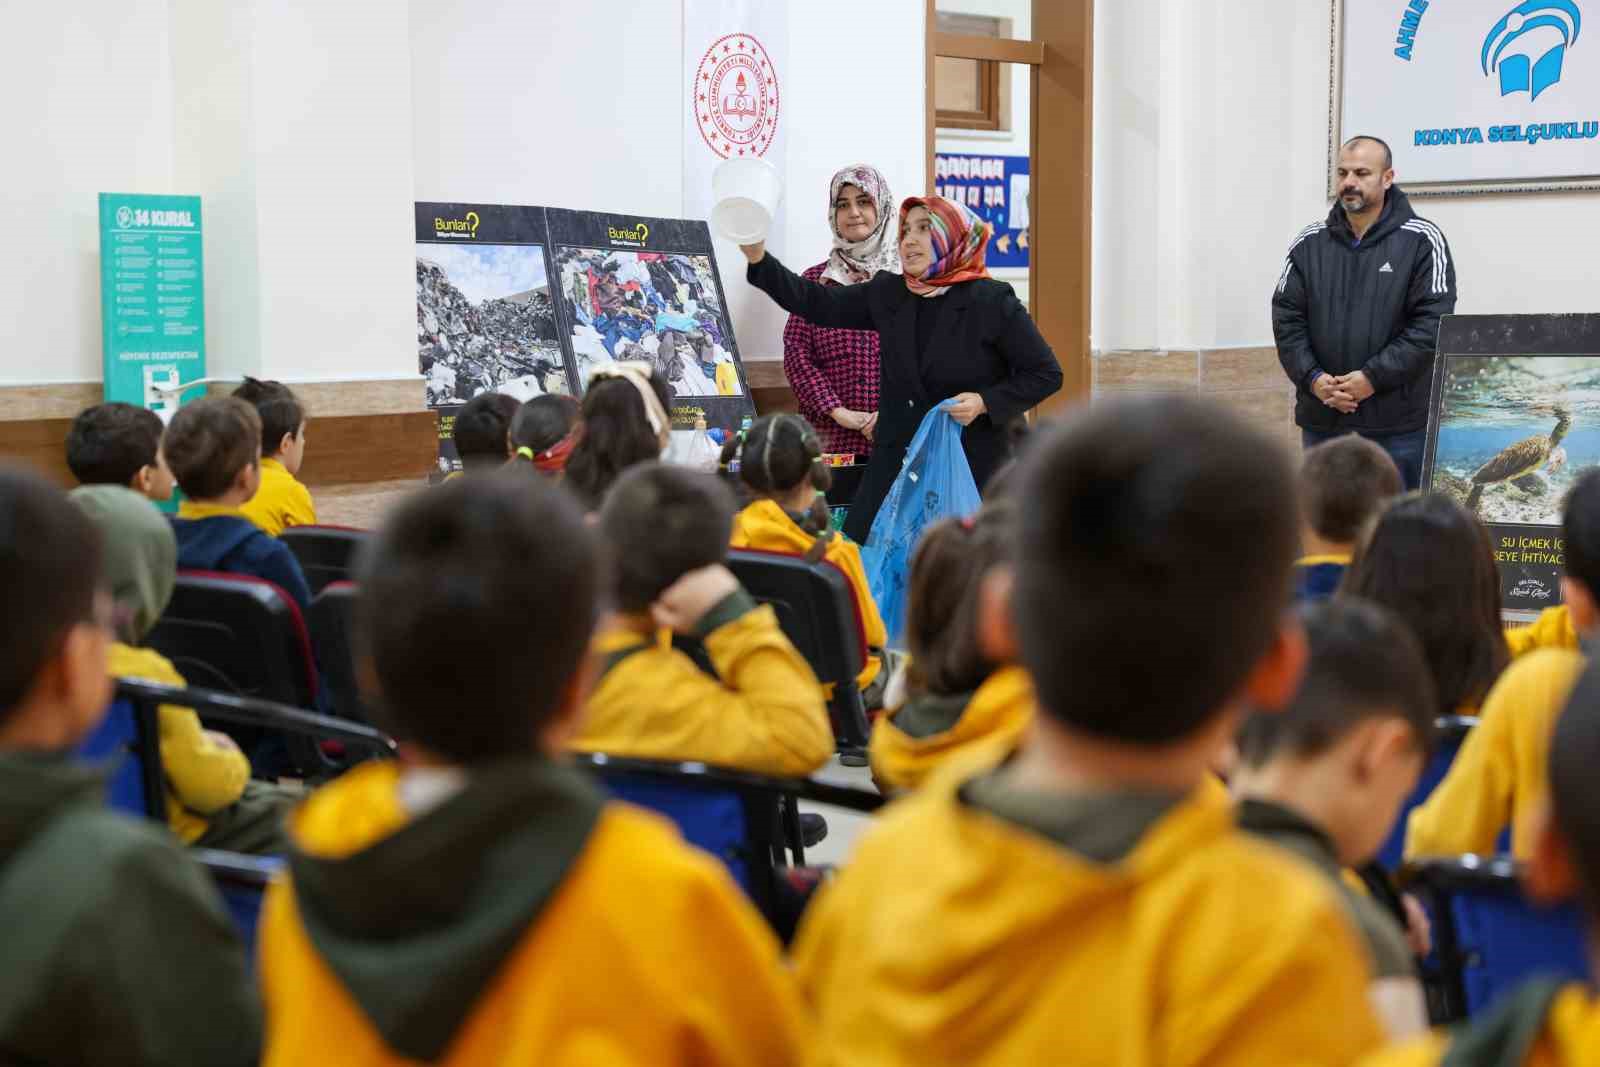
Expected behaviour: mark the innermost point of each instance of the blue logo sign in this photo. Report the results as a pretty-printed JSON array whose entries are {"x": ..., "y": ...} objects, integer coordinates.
[{"x": 1519, "y": 71}]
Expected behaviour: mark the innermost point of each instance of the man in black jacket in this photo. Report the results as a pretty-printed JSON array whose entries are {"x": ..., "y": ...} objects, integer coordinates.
[{"x": 1356, "y": 312}]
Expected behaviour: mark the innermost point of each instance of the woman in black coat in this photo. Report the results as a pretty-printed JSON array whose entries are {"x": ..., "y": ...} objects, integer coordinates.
[{"x": 946, "y": 332}]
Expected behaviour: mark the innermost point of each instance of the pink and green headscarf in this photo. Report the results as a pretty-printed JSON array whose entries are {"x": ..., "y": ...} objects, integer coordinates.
[{"x": 960, "y": 241}]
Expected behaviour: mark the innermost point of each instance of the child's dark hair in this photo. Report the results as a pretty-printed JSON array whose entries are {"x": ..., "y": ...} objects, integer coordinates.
[
  {"x": 946, "y": 576},
  {"x": 1343, "y": 484},
  {"x": 49, "y": 568},
  {"x": 775, "y": 455},
  {"x": 109, "y": 444},
  {"x": 493, "y": 573},
  {"x": 542, "y": 422},
  {"x": 616, "y": 435},
  {"x": 660, "y": 522},
  {"x": 1428, "y": 559},
  {"x": 1165, "y": 517},
  {"x": 481, "y": 430},
  {"x": 1574, "y": 754},
  {"x": 1365, "y": 663},
  {"x": 209, "y": 442},
  {"x": 1580, "y": 528},
  {"x": 281, "y": 413}
]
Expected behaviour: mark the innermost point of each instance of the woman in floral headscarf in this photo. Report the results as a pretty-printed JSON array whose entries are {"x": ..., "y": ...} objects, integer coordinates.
[
  {"x": 834, "y": 372},
  {"x": 948, "y": 335}
]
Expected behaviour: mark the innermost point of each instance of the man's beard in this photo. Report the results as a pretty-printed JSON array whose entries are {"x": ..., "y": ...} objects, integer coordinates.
[{"x": 1356, "y": 208}]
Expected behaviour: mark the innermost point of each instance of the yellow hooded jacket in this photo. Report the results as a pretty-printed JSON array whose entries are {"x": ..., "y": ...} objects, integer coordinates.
[
  {"x": 1498, "y": 777},
  {"x": 954, "y": 936},
  {"x": 280, "y": 502},
  {"x": 908, "y": 744},
  {"x": 766, "y": 527},
  {"x": 1552, "y": 629},
  {"x": 523, "y": 920},
  {"x": 1541, "y": 1025}
]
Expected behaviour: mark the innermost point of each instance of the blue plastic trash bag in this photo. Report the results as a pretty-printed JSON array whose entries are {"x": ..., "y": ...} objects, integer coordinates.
[{"x": 934, "y": 483}]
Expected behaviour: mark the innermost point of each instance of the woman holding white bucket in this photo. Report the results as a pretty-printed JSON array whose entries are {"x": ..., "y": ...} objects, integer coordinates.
[
  {"x": 834, "y": 372},
  {"x": 946, "y": 332}
]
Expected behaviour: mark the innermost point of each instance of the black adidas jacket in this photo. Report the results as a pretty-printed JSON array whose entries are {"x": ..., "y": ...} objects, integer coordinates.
[{"x": 1375, "y": 306}]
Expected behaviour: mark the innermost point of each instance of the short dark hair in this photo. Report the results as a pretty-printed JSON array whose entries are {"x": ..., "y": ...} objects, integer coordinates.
[
  {"x": 281, "y": 412},
  {"x": 209, "y": 442},
  {"x": 476, "y": 607},
  {"x": 1343, "y": 484},
  {"x": 254, "y": 391},
  {"x": 1388, "y": 153},
  {"x": 481, "y": 429},
  {"x": 660, "y": 522},
  {"x": 109, "y": 444},
  {"x": 1580, "y": 529},
  {"x": 943, "y": 585},
  {"x": 1428, "y": 559},
  {"x": 1574, "y": 754},
  {"x": 1162, "y": 516},
  {"x": 542, "y": 422},
  {"x": 616, "y": 435},
  {"x": 1365, "y": 663},
  {"x": 49, "y": 568}
]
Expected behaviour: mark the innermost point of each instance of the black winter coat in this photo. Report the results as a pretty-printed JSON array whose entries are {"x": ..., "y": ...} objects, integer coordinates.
[
  {"x": 1374, "y": 306},
  {"x": 984, "y": 342}
]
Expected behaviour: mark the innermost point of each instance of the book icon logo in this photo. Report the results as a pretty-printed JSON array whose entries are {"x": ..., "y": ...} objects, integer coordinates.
[{"x": 1552, "y": 25}]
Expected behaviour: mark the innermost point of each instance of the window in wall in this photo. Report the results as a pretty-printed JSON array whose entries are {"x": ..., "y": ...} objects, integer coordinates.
[{"x": 970, "y": 94}]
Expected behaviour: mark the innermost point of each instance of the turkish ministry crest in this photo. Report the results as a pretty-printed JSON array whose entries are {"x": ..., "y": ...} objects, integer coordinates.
[{"x": 735, "y": 96}]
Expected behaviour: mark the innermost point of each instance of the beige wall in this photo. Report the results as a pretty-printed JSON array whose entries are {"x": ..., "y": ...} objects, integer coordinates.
[{"x": 1247, "y": 380}]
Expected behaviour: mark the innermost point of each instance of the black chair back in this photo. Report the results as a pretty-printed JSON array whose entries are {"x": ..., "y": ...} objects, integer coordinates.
[
  {"x": 331, "y": 614},
  {"x": 326, "y": 553},
  {"x": 242, "y": 882}
]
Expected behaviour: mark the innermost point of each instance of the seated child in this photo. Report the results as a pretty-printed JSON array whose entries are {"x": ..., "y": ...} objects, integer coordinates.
[
  {"x": 667, "y": 528},
  {"x": 957, "y": 696},
  {"x": 625, "y": 422},
  {"x": 211, "y": 801},
  {"x": 1545, "y": 1023},
  {"x": 281, "y": 501},
  {"x": 1556, "y": 627},
  {"x": 483, "y": 433},
  {"x": 120, "y": 444},
  {"x": 1088, "y": 900},
  {"x": 544, "y": 432},
  {"x": 481, "y": 902},
  {"x": 1343, "y": 484},
  {"x": 1498, "y": 777},
  {"x": 1325, "y": 779},
  {"x": 214, "y": 448},
  {"x": 779, "y": 459},
  {"x": 117, "y": 947}
]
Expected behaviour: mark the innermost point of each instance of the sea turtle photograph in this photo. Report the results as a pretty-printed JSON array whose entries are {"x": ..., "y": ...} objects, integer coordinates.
[{"x": 1515, "y": 432}]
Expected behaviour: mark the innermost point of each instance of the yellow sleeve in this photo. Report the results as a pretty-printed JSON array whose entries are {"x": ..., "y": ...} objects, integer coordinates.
[
  {"x": 1473, "y": 803},
  {"x": 1552, "y": 629},
  {"x": 204, "y": 775},
  {"x": 1420, "y": 1052},
  {"x": 848, "y": 559},
  {"x": 298, "y": 509}
]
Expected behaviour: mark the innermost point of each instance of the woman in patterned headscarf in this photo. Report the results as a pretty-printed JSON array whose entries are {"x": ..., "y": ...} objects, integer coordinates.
[
  {"x": 834, "y": 372},
  {"x": 948, "y": 335}
]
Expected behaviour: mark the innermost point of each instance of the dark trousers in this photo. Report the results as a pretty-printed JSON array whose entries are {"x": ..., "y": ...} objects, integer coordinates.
[{"x": 1404, "y": 448}]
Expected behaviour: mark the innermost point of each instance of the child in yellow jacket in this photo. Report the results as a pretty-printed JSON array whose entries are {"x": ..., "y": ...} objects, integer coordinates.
[
  {"x": 957, "y": 697},
  {"x": 1089, "y": 901},
  {"x": 481, "y": 902},
  {"x": 1545, "y": 1023},
  {"x": 281, "y": 500},
  {"x": 211, "y": 800},
  {"x": 779, "y": 459},
  {"x": 1498, "y": 777},
  {"x": 668, "y": 532}
]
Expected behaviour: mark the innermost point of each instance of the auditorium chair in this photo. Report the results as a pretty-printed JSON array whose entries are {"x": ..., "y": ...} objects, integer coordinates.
[
  {"x": 331, "y": 613},
  {"x": 242, "y": 881},
  {"x": 817, "y": 610},
  {"x": 1488, "y": 937},
  {"x": 748, "y": 822},
  {"x": 326, "y": 553},
  {"x": 1452, "y": 731}
]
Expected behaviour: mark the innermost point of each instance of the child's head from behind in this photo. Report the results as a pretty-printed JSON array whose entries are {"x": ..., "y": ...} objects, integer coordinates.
[
  {"x": 283, "y": 421},
  {"x": 1343, "y": 484},
  {"x": 660, "y": 522},
  {"x": 946, "y": 577},
  {"x": 213, "y": 446},
  {"x": 1153, "y": 566},
  {"x": 483, "y": 431},
  {"x": 542, "y": 432},
  {"x": 1566, "y": 855},
  {"x": 53, "y": 680},
  {"x": 1352, "y": 742},
  {"x": 119, "y": 444},
  {"x": 138, "y": 555},
  {"x": 1580, "y": 529},
  {"x": 1429, "y": 560},
  {"x": 778, "y": 455},
  {"x": 624, "y": 423},
  {"x": 498, "y": 580}
]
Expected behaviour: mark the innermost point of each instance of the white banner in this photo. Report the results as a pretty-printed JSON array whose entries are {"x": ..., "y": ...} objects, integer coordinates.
[{"x": 1475, "y": 91}]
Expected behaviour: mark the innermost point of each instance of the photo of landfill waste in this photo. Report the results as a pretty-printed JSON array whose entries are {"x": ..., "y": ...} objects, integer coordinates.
[
  {"x": 485, "y": 323},
  {"x": 659, "y": 308},
  {"x": 1515, "y": 432}
]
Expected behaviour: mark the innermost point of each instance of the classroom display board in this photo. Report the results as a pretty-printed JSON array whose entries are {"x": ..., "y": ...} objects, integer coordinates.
[
  {"x": 1515, "y": 421},
  {"x": 1473, "y": 94},
  {"x": 531, "y": 300},
  {"x": 996, "y": 189},
  {"x": 152, "y": 298}
]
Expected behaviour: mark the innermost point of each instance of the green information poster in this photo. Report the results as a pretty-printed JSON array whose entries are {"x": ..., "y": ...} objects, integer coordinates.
[{"x": 152, "y": 302}]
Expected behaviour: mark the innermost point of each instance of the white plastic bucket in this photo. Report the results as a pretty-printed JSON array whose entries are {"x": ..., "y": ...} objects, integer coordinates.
[{"x": 745, "y": 193}]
